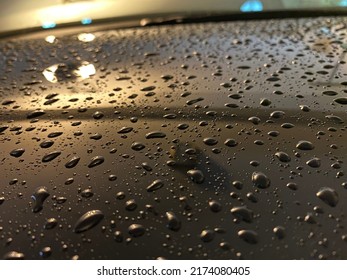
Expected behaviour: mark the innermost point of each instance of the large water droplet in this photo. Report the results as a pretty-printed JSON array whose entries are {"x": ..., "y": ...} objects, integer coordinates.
[
  {"x": 242, "y": 213},
  {"x": 329, "y": 196},
  {"x": 39, "y": 197},
  {"x": 17, "y": 152},
  {"x": 50, "y": 156},
  {"x": 196, "y": 176},
  {"x": 136, "y": 230},
  {"x": 173, "y": 222},
  {"x": 249, "y": 236},
  {"x": 155, "y": 134},
  {"x": 97, "y": 160},
  {"x": 282, "y": 156},
  {"x": 155, "y": 185},
  {"x": 88, "y": 220},
  {"x": 72, "y": 162},
  {"x": 304, "y": 145},
  {"x": 260, "y": 180}
]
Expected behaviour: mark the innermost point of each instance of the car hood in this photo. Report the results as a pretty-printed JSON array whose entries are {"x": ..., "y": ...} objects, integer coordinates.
[{"x": 195, "y": 141}]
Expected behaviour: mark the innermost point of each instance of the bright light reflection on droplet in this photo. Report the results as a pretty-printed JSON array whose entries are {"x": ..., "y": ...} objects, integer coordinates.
[
  {"x": 50, "y": 39},
  {"x": 86, "y": 37},
  {"x": 49, "y": 73},
  {"x": 85, "y": 70}
]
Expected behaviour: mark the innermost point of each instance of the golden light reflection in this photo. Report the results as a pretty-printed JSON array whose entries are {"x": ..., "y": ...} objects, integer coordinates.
[{"x": 86, "y": 37}]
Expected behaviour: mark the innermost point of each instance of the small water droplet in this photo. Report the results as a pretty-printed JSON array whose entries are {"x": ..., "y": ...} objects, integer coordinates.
[{"x": 279, "y": 231}]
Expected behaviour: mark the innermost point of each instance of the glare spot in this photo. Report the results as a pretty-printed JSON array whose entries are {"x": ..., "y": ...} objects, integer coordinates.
[
  {"x": 252, "y": 6},
  {"x": 85, "y": 70},
  {"x": 86, "y": 21},
  {"x": 48, "y": 24},
  {"x": 86, "y": 37},
  {"x": 49, "y": 73},
  {"x": 50, "y": 39}
]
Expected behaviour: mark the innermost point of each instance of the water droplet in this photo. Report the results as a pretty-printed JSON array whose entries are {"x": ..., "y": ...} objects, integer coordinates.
[
  {"x": 282, "y": 156},
  {"x": 98, "y": 115},
  {"x": 260, "y": 180},
  {"x": 293, "y": 186},
  {"x": 210, "y": 141},
  {"x": 46, "y": 252},
  {"x": 196, "y": 176},
  {"x": 304, "y": 145},
  {"x": 155, "y": 185},
  {"x": 309, "y": 218},
  {"x": 279, "y": 231},
  {"x": 87, "y": 193},
  {"x": 248, "y": 236},
  {"x": 55, "y": 134},
  {"x": 314, "y": 162},
  {"x": 50, "y": 156},
  {"x": 173, "y": 222},
  {"x": 130, "y": 205},
  {"x": 341, "y": 100},
  {"x": 51, "y": 223},
  {"x": 155, "y": 134},
  {"x": 13, "y": 255},
  {"x": 46, "y": 144},
  {"x": 35, "y": 114},
  {"x": 230, "y": 142},
  {"x": 137, "y": 146},
  {"x": 242, "y": 213},
  {"x": 215, "y": 206},
  {"x": 72, "y": 162},
  {"x": 17, "y": 152},
  {"x": 136, "y": 230},
  {"x": 330, "y": 93},
  {"x": 287, "y": 125},
  {"x": 329, "y": 196},
  {"x": 125, "y": 130},
  {"x": 254, "y": 120},
  {"x": 88, "y": 220},
  {"x": 207, "y": 235},
  {"x": 97, "y": 160},
  {"x": 277, "y": 114},
  {"x": 39, "y": 196}
]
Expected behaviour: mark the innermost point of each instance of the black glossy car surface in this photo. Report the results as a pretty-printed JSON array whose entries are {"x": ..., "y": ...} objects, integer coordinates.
[{"x": 197, "y": 141}]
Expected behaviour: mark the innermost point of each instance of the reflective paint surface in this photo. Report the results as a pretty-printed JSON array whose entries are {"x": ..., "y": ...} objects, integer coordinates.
[{"x": 200, "y": 141}]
